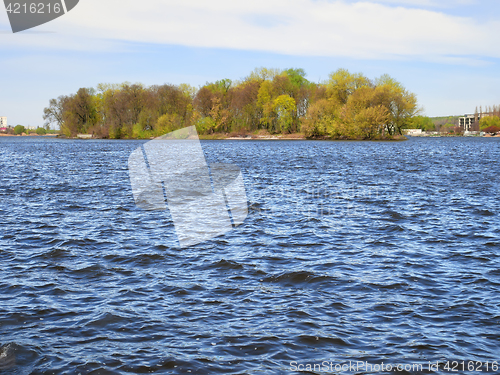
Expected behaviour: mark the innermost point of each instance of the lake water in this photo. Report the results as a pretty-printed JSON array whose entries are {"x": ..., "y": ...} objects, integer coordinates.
[{"x": 351, "y": 251}]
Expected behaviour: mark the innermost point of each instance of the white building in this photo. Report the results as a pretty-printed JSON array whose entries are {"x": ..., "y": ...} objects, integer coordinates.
[
  {"x": 414, "y": 132},
  {"x": 3, "y": 122},
  {"x": 467, "y": 122}
]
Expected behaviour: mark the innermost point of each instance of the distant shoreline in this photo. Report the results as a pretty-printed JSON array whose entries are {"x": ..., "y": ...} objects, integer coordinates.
[
  {"x": 28, "y": 135},
  {"x": 260, "y": 137}
]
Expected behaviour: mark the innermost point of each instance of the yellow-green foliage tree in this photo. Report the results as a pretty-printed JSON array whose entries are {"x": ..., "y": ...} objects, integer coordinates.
[
  {"x": 284, "y": 100},
  {"x": 401, "y": 104},
  {"x": 167, "y": 123},
  {"x": 320, "y": 119},
  {"x": 363, "y": 115},
  {"x": 265, "y": 102},
  {"x": 342, "y": 84},
  {"x": 284, "y": 109},
  {"x": 263, "y": 74},
  {"x": 355, "y": 107},
  {"x": 488, "y": 121}
]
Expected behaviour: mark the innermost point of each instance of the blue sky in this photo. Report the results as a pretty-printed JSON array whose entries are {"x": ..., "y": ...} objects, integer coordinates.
[{"x": 444, "y": 51}]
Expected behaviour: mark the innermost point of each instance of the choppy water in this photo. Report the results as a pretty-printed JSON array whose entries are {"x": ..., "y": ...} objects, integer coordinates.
[{"x": 352, "y": 251}]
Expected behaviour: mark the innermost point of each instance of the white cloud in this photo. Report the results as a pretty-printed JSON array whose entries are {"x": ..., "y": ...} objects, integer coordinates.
[
  {"x": 367, "y": 29},
  {"x": 429, "y": 3}
]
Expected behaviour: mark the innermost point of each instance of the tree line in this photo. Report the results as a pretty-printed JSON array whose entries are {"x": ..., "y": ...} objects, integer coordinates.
[
  {"x": 345, "y": 106},
  {"x": 489, "y": 120}
]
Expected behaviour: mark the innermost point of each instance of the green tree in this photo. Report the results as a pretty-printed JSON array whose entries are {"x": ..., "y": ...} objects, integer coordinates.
[
  {"x": 297, "y": 77},
  {"x": 41, "y": 131},
  {"x": 19, "y": 129},
  {"x": 205, "y": 125},
  {"x": 421, "y": 122},
  {"x": 300, "y": 89},
  {"x": 488, "y": 121},
  {"x": 167, "y": 124}
]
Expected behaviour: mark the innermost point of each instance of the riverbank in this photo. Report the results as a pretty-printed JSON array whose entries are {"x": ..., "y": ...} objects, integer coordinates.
[
  {"x": 240, "y": 136},
  {"x": 264, "y": 135},
  {"x": 28, "y": 135},
  {"x": 293, "y": 136},
  {"x": 261, "y": 136}
]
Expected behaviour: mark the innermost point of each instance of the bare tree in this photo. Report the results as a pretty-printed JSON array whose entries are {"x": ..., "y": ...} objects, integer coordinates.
[{"x": 53, "y": 114}]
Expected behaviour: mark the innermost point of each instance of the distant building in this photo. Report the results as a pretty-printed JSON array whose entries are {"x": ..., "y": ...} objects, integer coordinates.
[
  {"x": 3, "y": 122},
  {"x": 467, "y": 122},
  {"x": 414, "y": 132}
]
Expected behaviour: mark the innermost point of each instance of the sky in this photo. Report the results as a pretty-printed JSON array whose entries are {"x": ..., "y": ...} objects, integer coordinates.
[{"x": 444, "y": 51}]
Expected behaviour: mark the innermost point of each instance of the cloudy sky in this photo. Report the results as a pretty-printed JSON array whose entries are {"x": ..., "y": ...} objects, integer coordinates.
[{"x": 445, "y": 51}]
